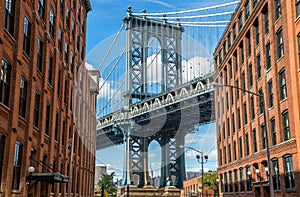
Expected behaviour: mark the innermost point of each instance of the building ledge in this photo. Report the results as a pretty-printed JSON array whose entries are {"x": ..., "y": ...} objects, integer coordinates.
[{"x": 50, "y": 177}]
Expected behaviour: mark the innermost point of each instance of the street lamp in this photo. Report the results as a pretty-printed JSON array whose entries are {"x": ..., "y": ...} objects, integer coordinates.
[
  {"x": 262, "y": 100},
  {"x": 198, "y": 157}
]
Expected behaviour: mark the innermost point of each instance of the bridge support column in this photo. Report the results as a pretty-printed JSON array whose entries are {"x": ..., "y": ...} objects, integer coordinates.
[
  {"x": 165, "y": 162},
  {"x": 127, "y": 169}
]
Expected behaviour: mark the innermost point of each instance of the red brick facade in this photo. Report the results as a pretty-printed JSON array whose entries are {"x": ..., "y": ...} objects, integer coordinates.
[
  {"x": 259, "y": 51},
  {"x": 54, "y": 107}
]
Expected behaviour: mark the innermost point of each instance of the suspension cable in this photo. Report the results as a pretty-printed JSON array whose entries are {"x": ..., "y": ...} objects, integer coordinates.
[
  {"x": 187, "y": 11},
  {"x": 190, "y": 17},
  {"x": 111, "y": 46}
]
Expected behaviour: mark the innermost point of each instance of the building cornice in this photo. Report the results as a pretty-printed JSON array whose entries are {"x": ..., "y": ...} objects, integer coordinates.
[{"x": 87, "y": 5}]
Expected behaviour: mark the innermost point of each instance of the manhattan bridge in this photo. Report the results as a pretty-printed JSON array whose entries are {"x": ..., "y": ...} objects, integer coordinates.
[{"x": 156, "y": 85}]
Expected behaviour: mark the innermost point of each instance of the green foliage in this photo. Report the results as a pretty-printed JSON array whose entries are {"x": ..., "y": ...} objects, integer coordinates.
[
  {"x": 107, "y": 183},
  {"x": 210, "y": 181}
]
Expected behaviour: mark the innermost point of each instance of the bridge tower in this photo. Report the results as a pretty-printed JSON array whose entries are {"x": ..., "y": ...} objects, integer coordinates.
[{"x": 139, "y": 30}]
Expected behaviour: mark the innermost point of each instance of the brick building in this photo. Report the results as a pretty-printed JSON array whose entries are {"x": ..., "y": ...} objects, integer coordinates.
[
  {"x": 192, "y": 188},
  {"x": 47, "y": 99},
  {"x": 259, "y": 51}
]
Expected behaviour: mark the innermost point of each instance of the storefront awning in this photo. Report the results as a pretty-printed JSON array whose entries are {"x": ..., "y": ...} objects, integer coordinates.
[{"x": 50, "y": 177}]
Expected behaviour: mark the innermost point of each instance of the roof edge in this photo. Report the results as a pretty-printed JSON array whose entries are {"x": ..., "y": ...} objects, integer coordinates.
[{"x": 87, "y": 5}]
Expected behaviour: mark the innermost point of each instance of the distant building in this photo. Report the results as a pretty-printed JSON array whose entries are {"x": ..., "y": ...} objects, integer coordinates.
[
  {"x": 190, "y": 175},
  {"x": 192, "y": 188},
  {"x": 99, "y": 171},
  {"x": 259, "y": 52}
]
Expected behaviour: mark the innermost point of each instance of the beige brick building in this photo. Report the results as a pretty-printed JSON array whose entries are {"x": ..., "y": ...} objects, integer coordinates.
[{"x": 259, "y": 51}]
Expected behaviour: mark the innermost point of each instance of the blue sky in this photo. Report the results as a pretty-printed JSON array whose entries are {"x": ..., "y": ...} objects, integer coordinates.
[
  {"x": 104, "y": 21},
  {"x": 106, "y": 17}
]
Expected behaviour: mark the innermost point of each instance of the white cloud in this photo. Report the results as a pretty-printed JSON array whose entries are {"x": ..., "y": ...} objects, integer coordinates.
[{"x": 89, "y": 66}]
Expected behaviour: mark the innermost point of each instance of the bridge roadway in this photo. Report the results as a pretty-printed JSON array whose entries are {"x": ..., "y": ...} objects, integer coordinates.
[{"x": 183, "y": 108}]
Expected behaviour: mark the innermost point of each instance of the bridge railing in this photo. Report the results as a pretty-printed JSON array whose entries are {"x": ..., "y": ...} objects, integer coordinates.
[{"x": 184, "y": 93}]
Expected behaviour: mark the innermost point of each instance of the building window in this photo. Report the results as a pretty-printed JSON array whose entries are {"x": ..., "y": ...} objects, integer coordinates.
[
  {"x": 73, "y": 28},
  {"x": 26, "y": 41},
  {"x": 240, "y": 21},
  {"x": 51, "y": 23},
  {"x": 229, "y": 40},
  {"x": 286, "y": 125},
  {"x": 235, "y": 61},
  {"x": 266, "y": 19},
  {"x": 221, "y": 156},
  {"x": 234, "y": 31},
  {"x": 47, "y": 129},
  {"x": 268, "y": 55},
  {"x": 249, "y": 43},
  {"x": 50, "y": 69},
  {"x": 261, "y": 102},
  {"x": 17, "y": 166},
  {"x": 271, "y": 94},
  {"x": 258, "y": 66},
  {"x": 252, "y": 108},
  {"x": 236, "y": 181},
  {"x": 66, "y": 51},
  {"x": 273, "y": 131},
  {"x": 256, "y": 26},
  {"x": 2, "y": 146},
  {"x": 231, "y": 96},
  {"x": 230, "y": 69},
  {"x": 276, "y": 175},
  {"x": 279, "y": 39},
  {"x": 249, "y": 181},
  {"x": 233, "y": 123},
  {"x": 227, "y": 102},
  {"x": 282, "y": 85},
  {"x": 241, "y": 147},
  {"x": 254, "y": 3},
  {"x": 225, "y": 158},
  {"x": 41, "y": 8},
  {"x": 239, "y": 118},
  {"x": 242, "y": 184},
  {"x": 243, "y": 82},
  {"x": 277, "y": 9},
  {"x": 234, "y": 152},
  {"x": 228, "y": 127},
  {"x": 222, "y": 182},
  {"x": 36, "y": 110},
  {"x": 5, "y": 76},
  {"x": 263, "y": 136},
  {"x": 247, "y": 10},
  {"x": 245, "y": 113},
  {"x": 61, "y": 7},
  {"x": 9, "y": 16},
  {"x": 67, "y": 17},
  {"x": 40, "y": 55},
  {"x": 289, "y": 177},
  {"x": 230, "y": 182},
  {"x": 237, "y": 90},
  {"x": 56, "y": 127},
  {"x": 23, "y": 97},
  {"x": 242, "y": 53},
  {"x": 247, "y": 144},
  {"x": 297, "y": 8},
  {"x": 79, "y": 13},
  {"x": 254, "y": 141},
  {"x": 59, "y": 39},
  {"x": 226, "y": 182},
  {"x": 59, "y": 83},
  {"x": 229, "y": 153},
  {"x": 250, "y": 73}
]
